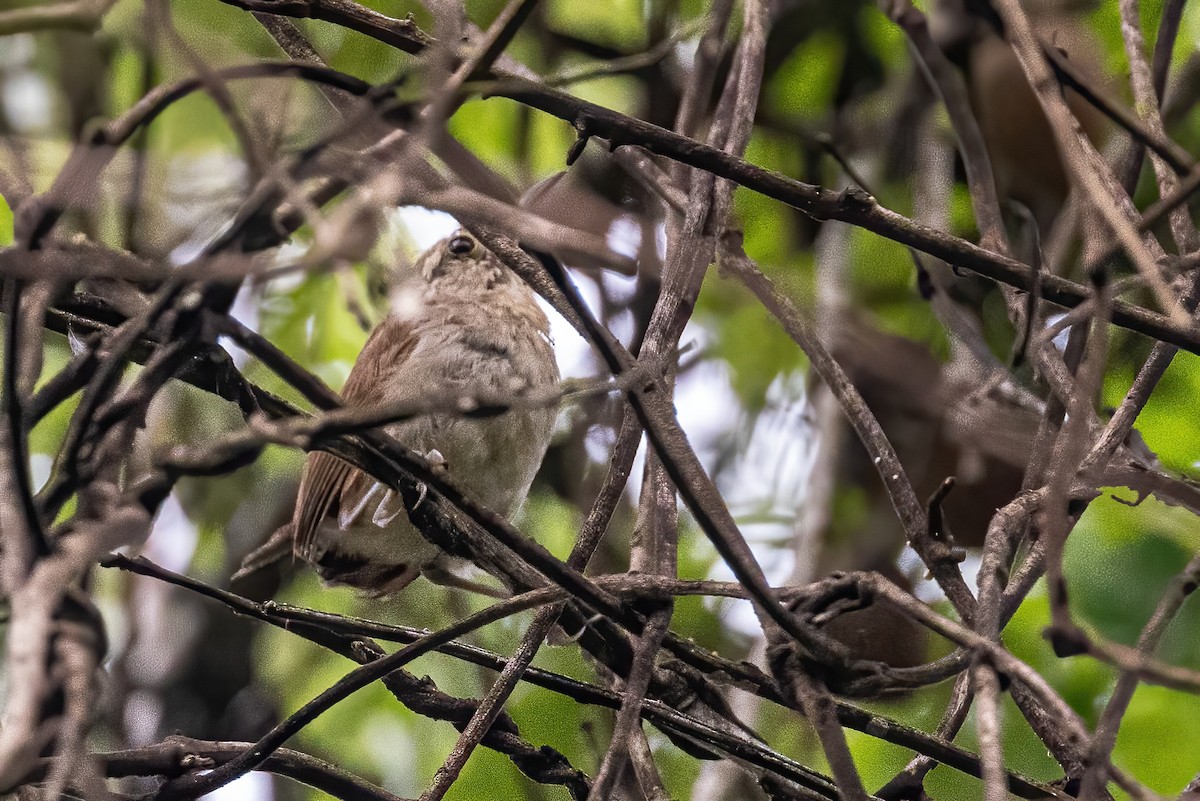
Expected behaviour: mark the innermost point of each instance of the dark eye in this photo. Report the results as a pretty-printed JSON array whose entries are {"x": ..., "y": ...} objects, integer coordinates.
[{"x": 461, "y": 245}]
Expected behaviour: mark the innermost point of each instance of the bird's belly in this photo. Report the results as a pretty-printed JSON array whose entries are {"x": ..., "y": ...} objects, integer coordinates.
[{"x": 494, "y": 460}]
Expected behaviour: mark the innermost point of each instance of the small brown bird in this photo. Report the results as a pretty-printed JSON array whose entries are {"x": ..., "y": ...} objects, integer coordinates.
[{"x": 464, "y": 326}]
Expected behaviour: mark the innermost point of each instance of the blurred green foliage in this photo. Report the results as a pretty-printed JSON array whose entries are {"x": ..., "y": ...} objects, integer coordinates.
[{"x": 1119, "y": 557}]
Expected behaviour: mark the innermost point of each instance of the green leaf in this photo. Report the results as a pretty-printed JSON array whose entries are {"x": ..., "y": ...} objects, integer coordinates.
[{"x": 6, "y": 222}]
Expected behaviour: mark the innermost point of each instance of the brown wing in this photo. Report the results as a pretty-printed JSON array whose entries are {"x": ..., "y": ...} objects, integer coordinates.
[{"x": 327, "y": 481}]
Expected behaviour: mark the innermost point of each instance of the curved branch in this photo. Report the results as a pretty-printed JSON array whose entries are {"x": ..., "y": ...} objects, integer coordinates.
[{"x": 850, "y": 206}]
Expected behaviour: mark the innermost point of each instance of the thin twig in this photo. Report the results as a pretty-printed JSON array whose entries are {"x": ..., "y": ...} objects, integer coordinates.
[
  {"x": 937, "y": 554},
  {"x": 605, "y": 503},
  {"x": 850, "y": 206},
  {"x": 199, "y": 784}
]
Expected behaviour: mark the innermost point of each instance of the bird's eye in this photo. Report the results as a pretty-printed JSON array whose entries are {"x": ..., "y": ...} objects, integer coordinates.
[{"x": 461, "y": 245}]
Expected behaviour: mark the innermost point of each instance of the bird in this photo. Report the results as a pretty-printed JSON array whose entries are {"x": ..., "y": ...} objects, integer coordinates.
[{"x": 462, "y": 325}]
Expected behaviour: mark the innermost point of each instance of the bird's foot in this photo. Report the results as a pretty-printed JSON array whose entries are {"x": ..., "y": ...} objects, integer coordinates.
[
  {"x": 436, "y": 460},
  {"x": 438, "y": 464}
]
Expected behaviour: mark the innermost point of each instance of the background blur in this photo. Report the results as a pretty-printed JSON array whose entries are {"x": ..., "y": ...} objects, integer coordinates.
[{"x": 840, "y": 85}]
